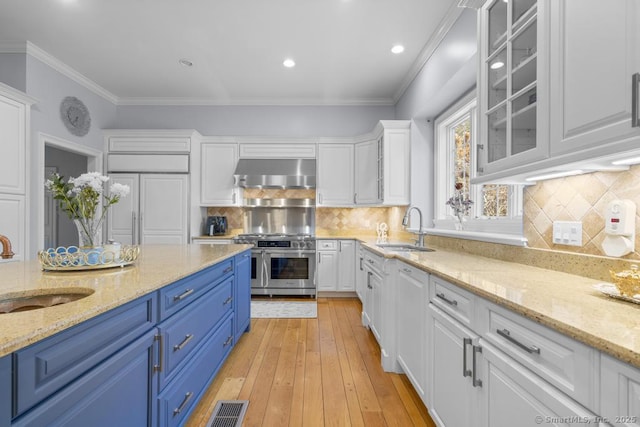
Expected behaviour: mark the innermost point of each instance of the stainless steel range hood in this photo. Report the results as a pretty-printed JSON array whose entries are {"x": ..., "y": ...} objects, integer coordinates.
[{"x": 276, "y": 173}]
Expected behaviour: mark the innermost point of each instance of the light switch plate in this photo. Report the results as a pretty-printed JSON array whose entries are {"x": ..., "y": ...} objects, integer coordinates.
[{"x": 567, "y": 233}]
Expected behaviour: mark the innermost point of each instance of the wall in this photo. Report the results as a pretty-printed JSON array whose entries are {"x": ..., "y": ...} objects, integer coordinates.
[
  {"x": 13, "y": 67},
  {"x": 287, "y": 121},
  {"x": 449, "y": 73},
  {"x": 579, "y": 198}
]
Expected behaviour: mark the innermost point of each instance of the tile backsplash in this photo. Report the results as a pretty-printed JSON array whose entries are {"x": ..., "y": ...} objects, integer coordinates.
[{"x": 578, "y": 198}]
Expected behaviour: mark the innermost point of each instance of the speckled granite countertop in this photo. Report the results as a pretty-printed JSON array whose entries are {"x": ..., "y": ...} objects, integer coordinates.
[
  {"x": 157, "y": 266},
  {"x": 564, "y": 302}
]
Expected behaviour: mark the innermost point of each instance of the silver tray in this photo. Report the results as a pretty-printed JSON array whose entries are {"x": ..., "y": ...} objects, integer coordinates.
[
  {"x": 73, "y": 258},
  {"x": 610, "y": 290}
]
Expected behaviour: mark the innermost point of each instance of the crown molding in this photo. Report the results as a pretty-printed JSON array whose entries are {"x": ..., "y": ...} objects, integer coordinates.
[
  {"x": 53, "y": 62},
  {"x": 429, "y": 48}
]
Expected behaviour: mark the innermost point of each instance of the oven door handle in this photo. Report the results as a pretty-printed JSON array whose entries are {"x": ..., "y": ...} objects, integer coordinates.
[
  {"x": 290, "y": 254},
  {"x": 265, "y": 270}
]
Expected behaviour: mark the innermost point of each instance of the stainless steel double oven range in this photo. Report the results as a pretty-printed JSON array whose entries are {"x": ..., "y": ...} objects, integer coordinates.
[{"x": 282, "y": 264}]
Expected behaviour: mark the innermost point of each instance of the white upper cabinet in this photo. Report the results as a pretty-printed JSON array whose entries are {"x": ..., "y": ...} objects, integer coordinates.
[
  {"x": 217, "y": 164},
  {"x": 383, "y": 165},
  {"x": 595, "y": 53},
  {"x": 334, "y": 168},
  {"x": 513, "y": 96}
]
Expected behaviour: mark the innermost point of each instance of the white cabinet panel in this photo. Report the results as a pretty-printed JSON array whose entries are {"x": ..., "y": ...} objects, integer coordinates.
[
  {"x": 217, "y": 164},
  {"x": 596, "y": 50},
  {"x": 13, "y": 122},
  {"x": 619, "y": 392},
  {"x": 12, "y": 224},
  {"x": 327, "y": 270},
  {"x": 346, "y": 265},
  {"x": 163, "y": 208},
  {"x": 335, "y": 175},
  {"x": 367, "y": 172},
  {"x": 397, "y": 172},
  {"x": 156, "y": 210}
]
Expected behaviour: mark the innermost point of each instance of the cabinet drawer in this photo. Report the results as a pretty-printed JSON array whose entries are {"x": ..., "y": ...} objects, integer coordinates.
[
  {"x": 182, "y": 334},
  {"x": 327, "y": 245},
  {"x": 43, "y": 368},
  {"x": 179, "y": 397},
  {"x": 567, "y": 364},
  {"x": 178, "y": 295},
  {"x": 374, "y": 261},
  {"x": 457, "y": 302}
]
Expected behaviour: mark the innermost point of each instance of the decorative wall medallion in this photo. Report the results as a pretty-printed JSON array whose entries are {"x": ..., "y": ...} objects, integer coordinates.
[{"x": 75, "y": 116}]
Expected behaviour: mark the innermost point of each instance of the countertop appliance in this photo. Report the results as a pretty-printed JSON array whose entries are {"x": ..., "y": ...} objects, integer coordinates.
[
  {"x": 216, "y": 226},
  {"x": 282, "y": 264}
]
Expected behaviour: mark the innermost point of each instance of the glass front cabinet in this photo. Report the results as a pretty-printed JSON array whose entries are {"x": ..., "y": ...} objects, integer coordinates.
[{"x": 512, "y": 85}]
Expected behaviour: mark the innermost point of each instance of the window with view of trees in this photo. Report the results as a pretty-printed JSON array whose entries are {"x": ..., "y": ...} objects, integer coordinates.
[{"x": 458, "y": 201}]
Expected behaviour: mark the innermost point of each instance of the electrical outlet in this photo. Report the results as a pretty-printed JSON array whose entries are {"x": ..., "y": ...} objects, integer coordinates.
[{"x": 567, "y": 233}]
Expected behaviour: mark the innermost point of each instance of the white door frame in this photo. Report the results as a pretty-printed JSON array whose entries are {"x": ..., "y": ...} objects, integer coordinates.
[{"x": 94, "y": 164}]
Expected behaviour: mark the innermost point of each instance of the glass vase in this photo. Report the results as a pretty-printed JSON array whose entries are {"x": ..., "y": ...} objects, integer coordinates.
[{"x": 89, "y": 232}]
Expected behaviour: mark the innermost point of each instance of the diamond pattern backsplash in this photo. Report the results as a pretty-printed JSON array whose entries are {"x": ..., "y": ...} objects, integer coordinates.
[{"x": 578, "y": 198}]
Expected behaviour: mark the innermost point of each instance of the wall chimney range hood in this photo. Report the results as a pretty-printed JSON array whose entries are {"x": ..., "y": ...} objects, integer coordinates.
[{"x": 275, "y": 173}]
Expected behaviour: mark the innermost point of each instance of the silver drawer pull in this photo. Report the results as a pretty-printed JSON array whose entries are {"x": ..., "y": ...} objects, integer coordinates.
[
  {"x": 184, "y": 342},
  {"x": 228, "y": 270},
  {"x": 183, "y": 295},
  {"x": 227, "y": 301},
  {"x": 465, "y": 343},
  {"x": 407, "y": 270},
  {"x": 185, "y": 402},
  {"x": 507, "y": 334},
  {"x": 447, "y": 300},
  {"x": 475, "y": 381},
  {"x": 228, "y": 341},
  {"x": 160, "y": 339}
]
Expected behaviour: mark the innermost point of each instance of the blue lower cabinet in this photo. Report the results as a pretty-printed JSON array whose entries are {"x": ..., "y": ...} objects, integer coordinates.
[
  {"x": 179, "y": 397},
  {"x": 118, "y": 392},
  {"x": 242, "y": 297}
]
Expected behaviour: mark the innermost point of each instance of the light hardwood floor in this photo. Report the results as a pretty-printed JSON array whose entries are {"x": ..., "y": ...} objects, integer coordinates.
[{"x": 313, "y": 372}]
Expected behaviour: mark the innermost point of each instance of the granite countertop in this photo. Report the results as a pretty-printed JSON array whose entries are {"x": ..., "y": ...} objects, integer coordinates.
[
  {"x": 564, "y": 302},
  {"x": 157, "y": 266}
]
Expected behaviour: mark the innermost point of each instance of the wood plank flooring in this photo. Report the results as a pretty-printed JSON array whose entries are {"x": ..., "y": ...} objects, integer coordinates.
[{"x": 313, "y": 372}]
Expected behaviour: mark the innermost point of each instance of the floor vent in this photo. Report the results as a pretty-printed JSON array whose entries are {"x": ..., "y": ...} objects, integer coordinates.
[{"x": 228, "y": 413}]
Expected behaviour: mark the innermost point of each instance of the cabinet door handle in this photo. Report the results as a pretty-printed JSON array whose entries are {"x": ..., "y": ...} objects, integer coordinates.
[
  {"x": 183, "y": 295},
  {"x": 474, "y": 380},
  {"x": 185, "y": 402},
  {"x": 228, "y": 300},
  {"x": 369, "y": 274},
  {"x": 465, "y": 342},
  {"x": 319, "y": 198},
  {"x": 184, "y": 342},
  {"x": 233, "y": 198},
  {"x": 227, "y": 270},
  {"x": 635, "y": 99},
  {"x": 361, "y": 268},
  {"x": 228, "y": 341},
  {"x": 407, "y": 270},
  {"x": 133, "y": 228},
  {"x": 507, "y": 335},
  {"x": 160, "y": 339},
  {"x": 355, "y": 198},
  {"x": 447, "y": 300}
]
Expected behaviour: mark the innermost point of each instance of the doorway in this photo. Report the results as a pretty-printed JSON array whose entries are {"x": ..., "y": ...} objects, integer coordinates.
[{"x": 69, "y": 160}]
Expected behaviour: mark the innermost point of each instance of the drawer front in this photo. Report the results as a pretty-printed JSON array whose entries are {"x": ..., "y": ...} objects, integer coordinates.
[
  {"x": 457, "y": 302},
  {"x": 182, "y": 334},
  {"x": 49, "y": 365},
  {"x": 178, "y": 399},
  {"x": 373, "y": 261},
  {"x": 174, "y": 297},
  {"x": 327, "y": 245},
  {"x": 567, "y": 364}
]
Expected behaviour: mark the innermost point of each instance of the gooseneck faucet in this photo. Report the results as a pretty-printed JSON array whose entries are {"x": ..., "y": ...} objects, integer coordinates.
[
  {"x": 6, "y": 247},
  {"x": 405, "y": 223}
]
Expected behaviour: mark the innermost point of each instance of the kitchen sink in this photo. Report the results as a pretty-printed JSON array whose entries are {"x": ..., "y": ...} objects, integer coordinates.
[
  {"x": 13, "y": 304},
  {"x": 403, "y": 247}
]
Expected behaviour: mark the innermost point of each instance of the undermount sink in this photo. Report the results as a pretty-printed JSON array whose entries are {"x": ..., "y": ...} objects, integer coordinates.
[
  {"x": 25, "y": 302},
  {"x": 403, "y": 247}
]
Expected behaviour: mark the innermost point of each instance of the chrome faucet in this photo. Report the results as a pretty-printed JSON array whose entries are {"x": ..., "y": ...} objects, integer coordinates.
[
  {"x": 405, "y": 223},
  {"x": 6, "y": 247}
]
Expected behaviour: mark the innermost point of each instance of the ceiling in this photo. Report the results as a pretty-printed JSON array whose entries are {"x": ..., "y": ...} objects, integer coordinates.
[{"x": 131, "y": 48}]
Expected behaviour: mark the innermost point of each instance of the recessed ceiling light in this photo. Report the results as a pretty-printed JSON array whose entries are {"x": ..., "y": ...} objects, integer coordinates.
[
  {"x": 289, "y": 63},
  {"x": 496, "y": 65},
  {"x": 185, "y": 62},
  {"x": 397, "y": 49}
]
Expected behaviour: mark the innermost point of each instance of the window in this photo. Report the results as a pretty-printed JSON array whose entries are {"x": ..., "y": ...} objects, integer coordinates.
[{"x": 459, "y": 204}]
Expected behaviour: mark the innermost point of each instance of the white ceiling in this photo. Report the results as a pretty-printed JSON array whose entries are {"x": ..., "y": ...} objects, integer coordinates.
[{"x": 131, "y": 48}]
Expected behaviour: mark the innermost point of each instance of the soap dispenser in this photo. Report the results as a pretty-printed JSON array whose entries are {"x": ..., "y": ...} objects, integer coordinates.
[{"x": 620, "y": 228}]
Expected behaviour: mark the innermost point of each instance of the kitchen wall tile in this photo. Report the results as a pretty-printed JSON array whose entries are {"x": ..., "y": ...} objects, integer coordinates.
[{"x": 578, "y": 198}]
